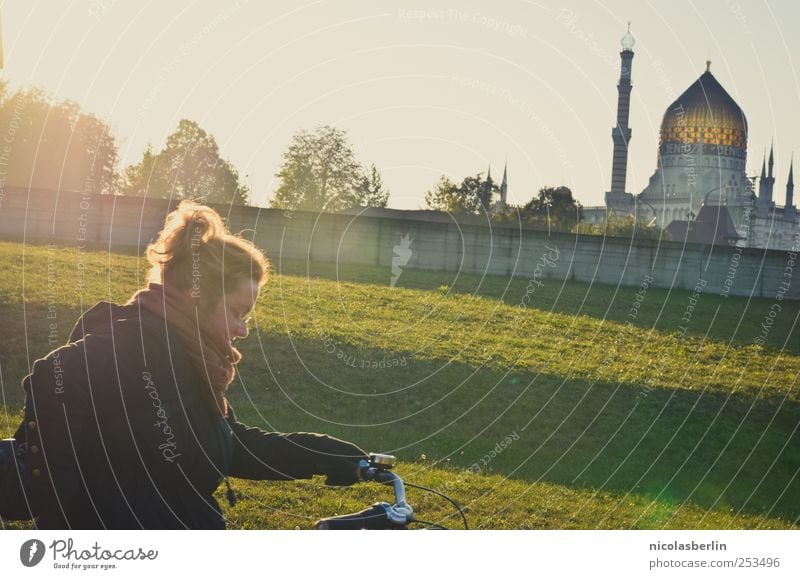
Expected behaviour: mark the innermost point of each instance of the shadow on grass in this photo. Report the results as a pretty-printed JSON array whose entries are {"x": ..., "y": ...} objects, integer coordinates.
[
  {"x": 26, "y": 338},
  {"x": 674, "y": 445},
  {"x": 726, "y": 452}
]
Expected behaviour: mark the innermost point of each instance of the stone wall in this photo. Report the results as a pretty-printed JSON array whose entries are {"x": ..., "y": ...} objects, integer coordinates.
[{"x": 438, "y": 243}]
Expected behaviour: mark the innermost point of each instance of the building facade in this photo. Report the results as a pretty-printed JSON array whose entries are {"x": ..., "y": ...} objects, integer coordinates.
[{"x": 701, "y": 161}]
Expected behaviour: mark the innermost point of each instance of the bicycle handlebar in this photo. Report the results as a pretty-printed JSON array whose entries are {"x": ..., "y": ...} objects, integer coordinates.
[
  {"x": 380, "y": 515},
  {"x": 383, "y": 515}
]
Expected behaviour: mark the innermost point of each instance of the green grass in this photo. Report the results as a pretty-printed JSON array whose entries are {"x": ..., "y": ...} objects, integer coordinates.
[{"x": 618, "y": 422}]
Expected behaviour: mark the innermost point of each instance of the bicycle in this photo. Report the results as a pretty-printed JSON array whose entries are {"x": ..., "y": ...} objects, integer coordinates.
[{"x": 382, "y": 515}]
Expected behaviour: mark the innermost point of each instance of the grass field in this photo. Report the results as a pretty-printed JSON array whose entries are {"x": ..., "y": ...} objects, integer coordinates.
[{"x": 576, "y": 413}]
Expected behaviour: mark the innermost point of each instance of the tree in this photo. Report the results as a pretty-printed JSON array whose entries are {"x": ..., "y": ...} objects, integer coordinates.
[
  {"x": 473, "y": 196},
  {"x": 319, "y": 172},
  {"x": 478, "y": 193},
  {"x": 444, "y": 196},
  {"x": 188, "y": 167},
  {"x": 370, "y": 191},
  {"x": 55, "y": 145},
  {"x": 96, "y": 147},
  {"x": 553, "y": 208},
  {"x": 140, "y": 179},
  {"x": 487, "y": 193}
]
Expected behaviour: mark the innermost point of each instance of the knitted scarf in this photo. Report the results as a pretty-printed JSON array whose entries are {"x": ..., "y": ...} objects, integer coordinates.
[{"x": 212, "y": 356}]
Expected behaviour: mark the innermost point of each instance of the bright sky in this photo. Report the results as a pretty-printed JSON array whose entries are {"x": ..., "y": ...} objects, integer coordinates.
[{"x": 422, "y": 87}]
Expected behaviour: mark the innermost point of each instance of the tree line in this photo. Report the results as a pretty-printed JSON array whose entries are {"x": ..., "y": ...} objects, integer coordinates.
[
  {"x": 56, "y": 146},
  {"x": 50, "y": 145}
]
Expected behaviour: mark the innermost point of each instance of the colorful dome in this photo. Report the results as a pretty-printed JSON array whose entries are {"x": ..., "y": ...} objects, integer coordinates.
[{"x": 705, "y": 114}]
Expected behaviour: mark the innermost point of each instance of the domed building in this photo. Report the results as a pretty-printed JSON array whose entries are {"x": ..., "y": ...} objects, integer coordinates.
[
  {"x": 701, "y": 162},
  {"x": 702, "y": 153}
]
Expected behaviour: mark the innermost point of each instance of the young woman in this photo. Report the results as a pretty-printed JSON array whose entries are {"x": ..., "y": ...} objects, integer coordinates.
[{"x": 128, "y": 424}]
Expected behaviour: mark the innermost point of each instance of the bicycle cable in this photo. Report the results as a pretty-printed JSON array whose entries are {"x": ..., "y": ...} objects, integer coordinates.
[{"x": 434, "y": 491}]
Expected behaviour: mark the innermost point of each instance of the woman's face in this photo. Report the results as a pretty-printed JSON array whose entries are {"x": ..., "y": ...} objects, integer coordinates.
[{"x": 229, "y": 317}]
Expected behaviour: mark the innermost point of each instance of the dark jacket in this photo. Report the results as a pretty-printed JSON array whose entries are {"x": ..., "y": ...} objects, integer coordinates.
[{"x": 121, "y": 435}]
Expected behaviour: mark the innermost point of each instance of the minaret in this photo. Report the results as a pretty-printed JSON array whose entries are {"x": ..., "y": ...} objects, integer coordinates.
[
  {"x": 621, "y": 133},
  {"x": 504, "y": 186}
]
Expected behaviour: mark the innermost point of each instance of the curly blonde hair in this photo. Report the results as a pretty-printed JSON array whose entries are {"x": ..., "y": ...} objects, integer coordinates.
[{"x": 195, "y": 251}]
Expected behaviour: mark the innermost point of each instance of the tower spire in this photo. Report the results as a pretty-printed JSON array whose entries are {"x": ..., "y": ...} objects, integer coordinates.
[
  {"x": 621, "y": 133},
  {"x": 766, "y": 184},
  {"x": 771, "y": 159},
  {"x": 504, "y": 186},
  {"x": 790, "y": 187}
]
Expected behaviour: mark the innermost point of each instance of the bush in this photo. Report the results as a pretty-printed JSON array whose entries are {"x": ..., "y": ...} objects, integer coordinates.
[{"x": 625, "y": 226}]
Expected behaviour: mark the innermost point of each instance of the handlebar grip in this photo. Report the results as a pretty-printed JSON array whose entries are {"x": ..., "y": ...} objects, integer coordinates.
[{"x": 374, "y": 517}]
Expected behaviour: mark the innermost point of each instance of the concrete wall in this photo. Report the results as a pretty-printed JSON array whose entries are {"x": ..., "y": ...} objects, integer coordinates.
[{"x": 436, "y": 243}]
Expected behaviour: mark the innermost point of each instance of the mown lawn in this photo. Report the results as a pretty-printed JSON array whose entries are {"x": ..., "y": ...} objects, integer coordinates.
[{"x": 576, "y": 414}]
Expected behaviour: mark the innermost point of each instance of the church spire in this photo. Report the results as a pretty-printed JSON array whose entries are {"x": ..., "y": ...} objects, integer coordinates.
[
  {"x": 771, "y": 160},
  {"x": 766, "y": 184},
  {"x": 504, "y": 186},
  {"x": 790, "y": 186}
]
